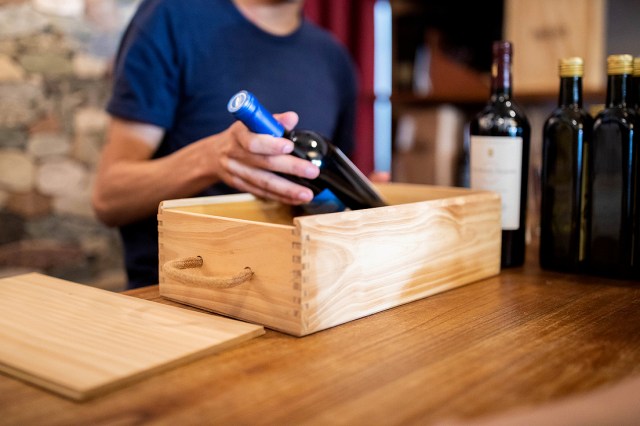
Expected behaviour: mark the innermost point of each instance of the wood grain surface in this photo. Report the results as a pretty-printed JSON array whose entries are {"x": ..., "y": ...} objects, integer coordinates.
[
  {"x": 325, "y": 270},
  {"x": 362, "y": 262},
  {"x": 518, "y": 340},
  {"x": 81, "y": 341}
]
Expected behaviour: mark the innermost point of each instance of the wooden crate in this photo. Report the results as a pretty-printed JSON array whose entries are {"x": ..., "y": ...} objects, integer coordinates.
[
  {"x": 545, "y": 31},
  {"x": 315, "y": 272}
]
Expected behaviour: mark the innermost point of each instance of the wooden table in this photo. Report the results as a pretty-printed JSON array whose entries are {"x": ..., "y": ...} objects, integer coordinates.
[{"x": 523, "y": 338}]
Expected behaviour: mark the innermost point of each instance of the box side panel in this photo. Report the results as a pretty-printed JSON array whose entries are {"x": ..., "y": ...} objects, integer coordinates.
[
  {"x": 404, "y": 193},
  {"x": 237, "y": 206},
  {"x": 270, "y": 298},
  {"x": 275, "y": 214},
  {"x": 366, "y": 261}
]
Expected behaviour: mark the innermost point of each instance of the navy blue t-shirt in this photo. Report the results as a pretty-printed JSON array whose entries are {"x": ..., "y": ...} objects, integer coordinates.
[{"x": 180, "y": 62}]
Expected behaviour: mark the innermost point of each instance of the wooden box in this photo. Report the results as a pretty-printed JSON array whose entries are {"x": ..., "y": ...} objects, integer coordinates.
[
  {"x": 310, "y": 273},
  {"x": 545, "y": 31}
]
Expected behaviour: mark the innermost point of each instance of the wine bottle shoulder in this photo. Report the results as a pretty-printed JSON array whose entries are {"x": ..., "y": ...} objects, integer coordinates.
[
  {"x": 571, "y": 117},
  {"x": 500, "y": 118},
  {"x": 503, "y": 107},
  {"x": 621, "y": 116}
]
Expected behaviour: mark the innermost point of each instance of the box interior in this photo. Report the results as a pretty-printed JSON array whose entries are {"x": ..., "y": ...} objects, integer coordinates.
[{"x": 247, "y": 207}]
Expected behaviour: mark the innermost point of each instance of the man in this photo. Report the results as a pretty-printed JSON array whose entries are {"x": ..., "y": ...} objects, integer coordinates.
[{"x": 170, "y": 135}]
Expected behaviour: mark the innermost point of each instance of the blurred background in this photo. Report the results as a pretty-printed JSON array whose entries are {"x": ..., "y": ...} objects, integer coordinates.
[{"x": 56, "y": 57}]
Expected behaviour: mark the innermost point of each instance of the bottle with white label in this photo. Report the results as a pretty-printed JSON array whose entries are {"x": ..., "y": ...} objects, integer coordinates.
[{"x": 499, "y": 140}]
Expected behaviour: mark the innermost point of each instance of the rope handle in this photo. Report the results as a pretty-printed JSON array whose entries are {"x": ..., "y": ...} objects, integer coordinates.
[{"x": 182, "y": 270}]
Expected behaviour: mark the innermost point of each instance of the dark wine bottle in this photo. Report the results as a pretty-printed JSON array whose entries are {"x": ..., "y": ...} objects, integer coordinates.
[
  {"x": 339, "y": 184},
  {"x": 635, "y": 81},
  {"x": 636, "y": 93},
  {"x": 614, "y": 169},
  {"x": 566, "y": 141},
  {"x": 499, "y": 154}
]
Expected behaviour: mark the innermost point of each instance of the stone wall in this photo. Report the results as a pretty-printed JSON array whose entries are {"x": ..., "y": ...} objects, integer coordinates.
[{"x": 55, "y": 58}]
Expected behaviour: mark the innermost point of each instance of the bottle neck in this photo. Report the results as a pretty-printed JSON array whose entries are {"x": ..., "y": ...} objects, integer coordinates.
[
  {"x": 570, "y": 92},
  {"x": 501, "y": 77},
  {"x": 618, "y": 90},
  {"x": 635, "y": 83}
]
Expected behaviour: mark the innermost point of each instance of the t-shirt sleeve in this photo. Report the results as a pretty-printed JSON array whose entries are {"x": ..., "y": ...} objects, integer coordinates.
[{"x": 146, "y": 74}]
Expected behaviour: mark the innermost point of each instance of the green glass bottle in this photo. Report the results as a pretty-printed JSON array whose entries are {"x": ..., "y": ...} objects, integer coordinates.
[
  {"x": 635, "y": 82},
  {"x": 614, "y": 180},
  {"x": 636, "y": 93},
  {"x": 564, "y": 179}
]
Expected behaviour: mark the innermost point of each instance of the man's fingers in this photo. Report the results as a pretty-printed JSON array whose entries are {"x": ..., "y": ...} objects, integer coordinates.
[
  {"x": 269, "y": 153},
  {"x": 288, "y": 119},
  {"x": 287, "y": 164},
  {"x": 266, "y": 184},
  {"x": 256, "y": 143},
  {"x": 265, "y": 144},
  {"x": 252, "y": 161}
]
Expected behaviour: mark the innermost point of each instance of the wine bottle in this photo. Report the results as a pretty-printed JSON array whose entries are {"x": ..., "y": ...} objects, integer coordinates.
[
  {"x": 613, "y": 182},
  {"x": 340, "y": 183},
  {"x": 566, "y": 140},
  {"x": 499, "y": 154},
  {"x": 636, "y": 93},
  {"x": 635, "y": 81}
]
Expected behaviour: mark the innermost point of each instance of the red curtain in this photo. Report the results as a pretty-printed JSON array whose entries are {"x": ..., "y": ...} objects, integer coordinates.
[{"x": 351, "y": 21}]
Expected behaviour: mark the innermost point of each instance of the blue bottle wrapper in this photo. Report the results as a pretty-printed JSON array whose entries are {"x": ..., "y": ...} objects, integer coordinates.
[
  {"x": 324, "y": 202},
  {"x": 246, "y": 108}
]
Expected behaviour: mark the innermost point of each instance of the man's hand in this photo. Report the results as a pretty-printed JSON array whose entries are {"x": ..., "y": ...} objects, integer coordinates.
[
  {"x": 247, "y": 161},
  {"x": 130, "y": 183}
]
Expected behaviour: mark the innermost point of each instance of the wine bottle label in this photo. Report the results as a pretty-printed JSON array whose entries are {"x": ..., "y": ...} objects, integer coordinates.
[{"x": 496, "y": 165}]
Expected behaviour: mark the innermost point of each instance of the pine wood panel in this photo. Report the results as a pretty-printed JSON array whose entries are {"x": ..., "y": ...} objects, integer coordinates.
[
  {"x": 228, "y": 245},
  {"x": 238, "y": 206},
  {"x": 404, "y": 193},
  {"x": 362, "y": 262},
  {"x": 81, "y": 341}
]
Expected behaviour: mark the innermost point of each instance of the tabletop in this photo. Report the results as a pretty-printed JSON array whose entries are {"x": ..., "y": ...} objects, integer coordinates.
[{"x": 524, "y": 338}]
